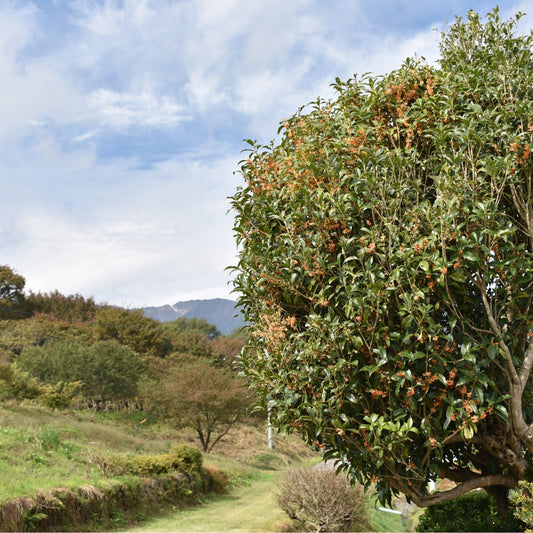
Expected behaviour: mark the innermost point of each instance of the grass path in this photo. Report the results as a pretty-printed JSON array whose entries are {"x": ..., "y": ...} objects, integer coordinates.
[{"x": 250, "y": 507}]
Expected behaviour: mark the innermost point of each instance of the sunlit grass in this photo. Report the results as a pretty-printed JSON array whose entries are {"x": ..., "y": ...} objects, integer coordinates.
[{"x": 42, "y": 450}]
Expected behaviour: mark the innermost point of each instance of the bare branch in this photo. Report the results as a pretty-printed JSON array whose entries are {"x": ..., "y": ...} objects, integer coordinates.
[
  {"x": 527, "y": 365},
  {"x": 477, "y": 482}
]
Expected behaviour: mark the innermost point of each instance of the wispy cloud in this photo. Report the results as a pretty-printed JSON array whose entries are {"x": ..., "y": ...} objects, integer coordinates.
[{"x": 121, "y": 110}]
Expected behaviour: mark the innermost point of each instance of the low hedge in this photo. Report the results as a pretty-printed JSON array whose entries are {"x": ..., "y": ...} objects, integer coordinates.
[
  {"x": 475, "y": 511},
  {"x": 182, "y": 458},
  {"x": 152, "y": 482}
]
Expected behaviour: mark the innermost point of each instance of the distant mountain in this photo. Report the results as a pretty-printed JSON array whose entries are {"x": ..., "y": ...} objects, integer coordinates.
[{"x": 221, "y": 312}]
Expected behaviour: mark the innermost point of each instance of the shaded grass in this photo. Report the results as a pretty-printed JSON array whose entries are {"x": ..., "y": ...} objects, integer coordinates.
[{"x": 383, "y": 521}]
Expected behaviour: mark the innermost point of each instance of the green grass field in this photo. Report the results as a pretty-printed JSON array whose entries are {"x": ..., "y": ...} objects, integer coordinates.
[{"x": 42, "y": 450}]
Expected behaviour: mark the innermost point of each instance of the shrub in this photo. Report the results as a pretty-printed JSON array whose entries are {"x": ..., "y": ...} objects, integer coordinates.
[
  {"x": 182, "y": 458},
  {"x": 215, "y": 480},
  {"x": 60, "y": 395},
  {"x": 17, "y": 384},
  {"x": 186, "y": 458},
  {"x": 320, "y": 500},
  {"x": 475, "y": 511},
  {"x": 522, "y": 499}
]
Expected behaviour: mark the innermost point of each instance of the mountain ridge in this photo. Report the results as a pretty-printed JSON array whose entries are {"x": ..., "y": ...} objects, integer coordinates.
[{"x": 221, "y": 312}]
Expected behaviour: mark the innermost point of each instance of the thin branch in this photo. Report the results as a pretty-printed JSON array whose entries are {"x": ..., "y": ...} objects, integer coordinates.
[{"x": 527, "y": 365}]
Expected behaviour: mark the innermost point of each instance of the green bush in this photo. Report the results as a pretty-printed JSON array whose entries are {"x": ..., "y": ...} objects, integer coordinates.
[
  {"x": 181, "y": 458},
  {"x": 475, "y": 511},
  {"x": 186, "y": 458},
  {"x": 17, "y": 384},
  {"x": 522, "y": 499},
  {"x": 60, "y": 395}
]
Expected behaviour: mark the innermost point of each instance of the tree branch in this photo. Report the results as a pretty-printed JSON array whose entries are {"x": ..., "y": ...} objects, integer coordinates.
[
  {"x": 527, "y": 365},
  {"x": 477, "y": 482}
]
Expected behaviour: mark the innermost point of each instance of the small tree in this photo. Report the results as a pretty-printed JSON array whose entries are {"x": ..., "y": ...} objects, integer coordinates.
[
  {"x": 11, "y": 293},
  {"x": 386, "y": 269},
  {"x": 196, "y": 394},
  {"x": 319, "y": 500}
]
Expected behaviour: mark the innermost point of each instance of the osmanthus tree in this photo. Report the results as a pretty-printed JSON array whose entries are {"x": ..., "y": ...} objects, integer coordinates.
[{"x": 386, "y": 269}]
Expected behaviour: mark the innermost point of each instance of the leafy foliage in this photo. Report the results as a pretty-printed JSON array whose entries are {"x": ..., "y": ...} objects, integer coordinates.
[
  {"x": 39, "y": 330},
  {"x": 132, "y": 328},
  {"x": 194, "y": 393},
  {"x": 17, "y": 384},
  {"x": 183, "y": 458},
  {"x": 475, "y": 511},
  {"x": 195, "y": 325},
  {"x": 73, "y": 307},
  {"x": 11, "y": 293},
  {"x": 522, "y": 499},
  {"x": 108, "y": 370},
  {"x": 386, "y": 269}
]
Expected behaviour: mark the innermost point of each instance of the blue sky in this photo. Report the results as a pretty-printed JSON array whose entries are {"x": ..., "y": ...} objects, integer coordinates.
[{"x": 122, "y": 123}]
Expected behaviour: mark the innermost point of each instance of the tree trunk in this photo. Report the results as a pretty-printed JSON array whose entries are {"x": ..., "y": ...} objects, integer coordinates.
[{"x": 501, "y": 498}]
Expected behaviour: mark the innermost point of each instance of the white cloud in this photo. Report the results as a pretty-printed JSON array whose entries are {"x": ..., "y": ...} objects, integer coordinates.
[
  {"x": 108, "y": 194},
  {"x": 144, "y": 109},
  {"x": 125, "y": 235},
  {"x": 30, "y": 92}
]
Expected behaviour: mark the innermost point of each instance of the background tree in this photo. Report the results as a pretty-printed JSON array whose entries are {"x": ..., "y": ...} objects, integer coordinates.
[
  {"x": 192, "y": 325},
  {"x": 73, "y": 307},
  {"x": 11, "y": 293},
  {"x": 194, "y": 393},
  {"x": 108, "y": 370},
  {"x": 386, "y": 269},
  {"x": 39, "y": 330},
  {"x": 133, "y": 329}
]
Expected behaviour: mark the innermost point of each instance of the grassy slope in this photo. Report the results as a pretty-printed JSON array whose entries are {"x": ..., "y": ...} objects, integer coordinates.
[{"x": 41, "y": 450}]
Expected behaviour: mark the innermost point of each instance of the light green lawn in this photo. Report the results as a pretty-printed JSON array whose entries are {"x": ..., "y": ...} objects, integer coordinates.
[{"x": 249, "y": 507}]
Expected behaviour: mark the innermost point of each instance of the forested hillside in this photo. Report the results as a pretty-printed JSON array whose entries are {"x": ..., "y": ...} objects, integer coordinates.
[{"x": 68, "y": 351}]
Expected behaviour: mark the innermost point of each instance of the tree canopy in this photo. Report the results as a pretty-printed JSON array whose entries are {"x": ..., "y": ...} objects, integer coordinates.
[
  {"x": 11, "y": 292},
  {"x": 386, "y": 268}
]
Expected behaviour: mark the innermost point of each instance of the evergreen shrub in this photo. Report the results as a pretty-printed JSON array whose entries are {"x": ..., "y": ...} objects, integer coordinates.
[{"x": 475, "y": 511}]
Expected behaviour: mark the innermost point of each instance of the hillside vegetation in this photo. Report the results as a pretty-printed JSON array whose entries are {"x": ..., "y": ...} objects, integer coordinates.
[
  {"x": 109, "y": 418},
  {"x": 50, "y": 457}
]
